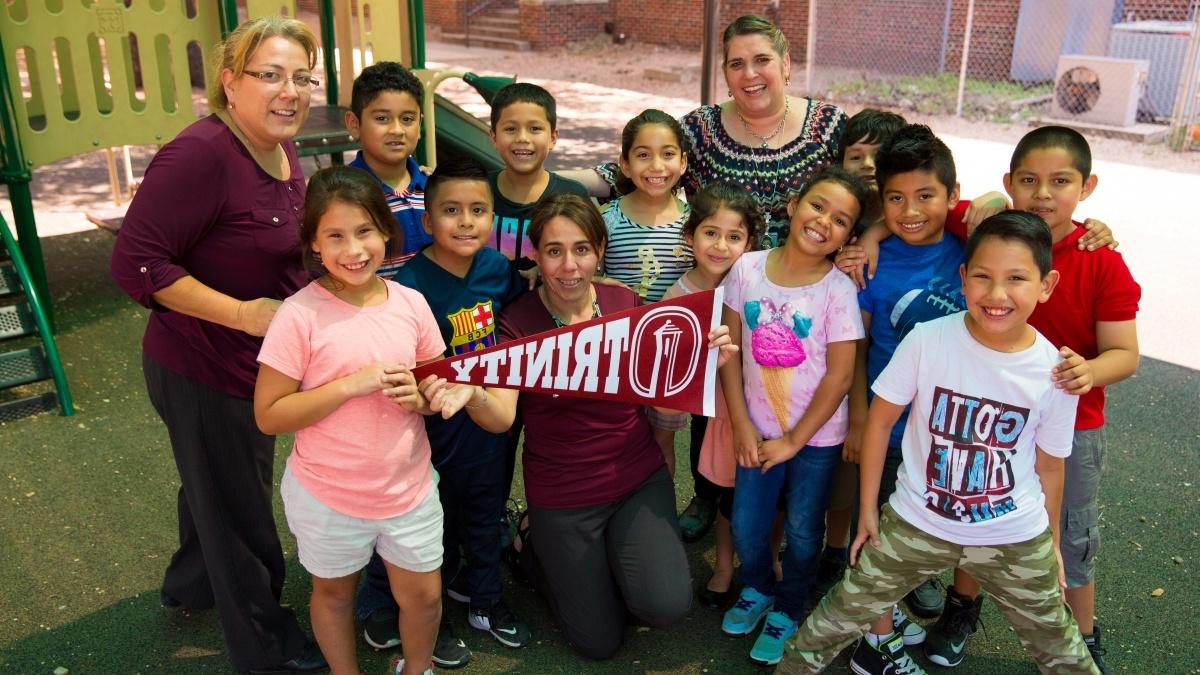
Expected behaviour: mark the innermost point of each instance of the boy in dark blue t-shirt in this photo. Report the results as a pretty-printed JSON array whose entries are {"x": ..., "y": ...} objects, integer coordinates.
[{"x": 466, "y": 284}]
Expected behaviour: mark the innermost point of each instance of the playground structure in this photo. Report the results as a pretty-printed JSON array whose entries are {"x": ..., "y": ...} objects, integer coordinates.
[{"x": 83, "y": 76}]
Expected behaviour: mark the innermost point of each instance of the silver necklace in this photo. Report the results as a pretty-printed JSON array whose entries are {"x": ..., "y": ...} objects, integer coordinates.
[{"x": 766, "y": 140}]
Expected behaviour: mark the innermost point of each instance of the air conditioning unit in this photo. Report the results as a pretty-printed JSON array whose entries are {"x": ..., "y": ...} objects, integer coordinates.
[{"x": 1098, "y": 89}]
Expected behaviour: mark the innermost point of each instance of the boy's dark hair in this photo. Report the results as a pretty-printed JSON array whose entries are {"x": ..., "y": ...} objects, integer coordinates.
[
  {"x": 629, "y": 135},
  {"x": 524, "y": 92},
  {"x": 380, "y": 77},
  {"x": 869, "y": 125},
  {"x": 726, "y": 195},
  {"x": 1013, "y": 225},
  {"x": 455, "y": 168},
  {"x": 349, "y": 186},
  {"x": 853, "y": 184},
  {"x": 1055, "y": 137},
  {"x": 915, "y": 148}
]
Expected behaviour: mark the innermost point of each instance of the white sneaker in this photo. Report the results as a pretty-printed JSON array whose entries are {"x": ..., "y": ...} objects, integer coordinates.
[
  {"x": 911, "y": 631},
  {"x": 398, "y": 667}
]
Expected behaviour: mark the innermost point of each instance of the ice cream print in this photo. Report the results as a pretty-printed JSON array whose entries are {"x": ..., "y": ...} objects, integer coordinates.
[{"x": 775, "y": 344}]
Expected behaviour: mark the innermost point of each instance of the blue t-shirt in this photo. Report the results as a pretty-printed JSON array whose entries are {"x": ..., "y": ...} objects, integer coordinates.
[
  {"x": 407, "y": 205},
  {"x": 467, "y": 311},
  {"x": 913, "y": 284}
]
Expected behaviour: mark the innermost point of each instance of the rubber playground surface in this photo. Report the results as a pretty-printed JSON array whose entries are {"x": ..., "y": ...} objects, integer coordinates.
[{"x": 87, "y": 523}]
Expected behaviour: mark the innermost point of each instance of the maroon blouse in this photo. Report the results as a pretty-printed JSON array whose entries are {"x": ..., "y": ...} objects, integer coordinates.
[{"x": 206, "y": 209}]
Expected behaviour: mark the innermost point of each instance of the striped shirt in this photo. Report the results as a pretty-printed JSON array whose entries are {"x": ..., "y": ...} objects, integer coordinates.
[
  {"x": 407, "y": 205},
  {"x": 646, "y": 258}
]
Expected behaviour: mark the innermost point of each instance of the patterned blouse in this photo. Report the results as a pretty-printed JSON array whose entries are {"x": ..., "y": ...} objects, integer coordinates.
[{"x": 772, "y": 174}]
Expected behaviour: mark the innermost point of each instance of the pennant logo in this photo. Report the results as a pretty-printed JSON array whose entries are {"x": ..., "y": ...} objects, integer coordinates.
[{"x": 654, "y": 355}]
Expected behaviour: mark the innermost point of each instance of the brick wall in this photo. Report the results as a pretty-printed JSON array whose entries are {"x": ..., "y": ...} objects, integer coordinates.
[
  {"x": 449, "y": 15},
  {"x": 555, "y": 23},
  {"x": 644, "y": 21},
  {"x": 993, "y": 31},
  {"x": 903, "y": 36}
]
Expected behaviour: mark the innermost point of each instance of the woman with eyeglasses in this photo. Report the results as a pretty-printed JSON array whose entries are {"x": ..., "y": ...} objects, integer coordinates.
[{"x": 211, "y": 246}]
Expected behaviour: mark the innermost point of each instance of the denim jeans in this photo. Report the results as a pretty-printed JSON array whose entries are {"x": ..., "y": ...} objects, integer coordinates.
[{"x": 804, "y": 481}]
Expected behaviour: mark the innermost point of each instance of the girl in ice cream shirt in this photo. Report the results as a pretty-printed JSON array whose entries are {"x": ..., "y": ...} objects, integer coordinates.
[{"x": 797, "y": 320}]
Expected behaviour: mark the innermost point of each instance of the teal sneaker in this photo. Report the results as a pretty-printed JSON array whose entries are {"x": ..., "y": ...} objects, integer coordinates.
[
  {"x": 768, "y": 648},
  {"x": 750, "y": 608}
]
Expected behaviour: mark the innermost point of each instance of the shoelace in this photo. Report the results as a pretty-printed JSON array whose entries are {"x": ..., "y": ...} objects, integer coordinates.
[
  {"x": 744, "y": 603},
  {"x": 905, "y": 665},
  {"x": 962, "y": 623},
  {"x": 774, "y": 630}
]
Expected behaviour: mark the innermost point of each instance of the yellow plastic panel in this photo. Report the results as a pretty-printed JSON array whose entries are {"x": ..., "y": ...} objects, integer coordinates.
[
  {"x": 75, "y": 87},
  {"x": 257, "y": 8}
]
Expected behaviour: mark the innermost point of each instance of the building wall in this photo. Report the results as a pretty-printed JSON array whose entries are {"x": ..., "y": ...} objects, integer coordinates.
[{"x": 556, "y": 23}]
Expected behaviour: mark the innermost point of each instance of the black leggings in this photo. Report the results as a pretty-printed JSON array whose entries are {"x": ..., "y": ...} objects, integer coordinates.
[
  {"x": 705, "y": 489},
  {"x": 596, "y": 563}
]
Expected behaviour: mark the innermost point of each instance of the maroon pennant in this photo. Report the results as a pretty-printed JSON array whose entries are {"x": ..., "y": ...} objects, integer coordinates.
[{"x": 654, "y": 354}]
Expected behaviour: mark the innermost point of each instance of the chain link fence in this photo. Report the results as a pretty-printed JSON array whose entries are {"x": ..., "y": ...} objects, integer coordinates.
[{"x": 1112, "y": 65}]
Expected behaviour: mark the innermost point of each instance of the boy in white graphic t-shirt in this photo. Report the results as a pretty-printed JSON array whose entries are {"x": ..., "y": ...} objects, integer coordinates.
[{"x": 981, "y": 483}]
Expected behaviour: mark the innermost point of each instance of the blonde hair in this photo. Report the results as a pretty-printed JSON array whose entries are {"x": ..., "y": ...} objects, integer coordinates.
[
  {"x": 751, "y": 24},
  {"x": 237, "y": 50}
]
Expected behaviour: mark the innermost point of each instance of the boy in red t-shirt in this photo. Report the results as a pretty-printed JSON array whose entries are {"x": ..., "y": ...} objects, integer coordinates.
[{"x": 1091, "y": 318}]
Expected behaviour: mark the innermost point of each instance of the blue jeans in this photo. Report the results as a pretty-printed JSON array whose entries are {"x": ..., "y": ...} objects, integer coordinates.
[{"x": 804, "y": 482}]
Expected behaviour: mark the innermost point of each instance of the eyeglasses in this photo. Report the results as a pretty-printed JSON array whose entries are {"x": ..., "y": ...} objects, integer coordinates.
[{"x": 275, "y": 80}]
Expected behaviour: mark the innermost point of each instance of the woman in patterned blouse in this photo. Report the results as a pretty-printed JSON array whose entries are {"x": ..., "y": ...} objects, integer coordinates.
[{"x": 761, "y": 138}]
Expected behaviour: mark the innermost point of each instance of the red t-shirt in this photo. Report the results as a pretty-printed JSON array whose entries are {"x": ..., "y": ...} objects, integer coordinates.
[
  {"x": 579, "y": 452},
  {"x": 1093, "y": 286}
]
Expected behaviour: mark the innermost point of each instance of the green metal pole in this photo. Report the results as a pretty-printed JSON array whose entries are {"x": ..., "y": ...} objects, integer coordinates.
[
  {"x": 328, "y": 45},
  {"x": 229, "y": 16},
  {"x": 416, "y": 27},
  {"x": 41, "y": 314},
  {"x": 17, "y": 177}
]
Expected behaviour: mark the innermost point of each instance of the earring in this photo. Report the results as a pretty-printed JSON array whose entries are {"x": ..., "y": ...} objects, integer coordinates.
[
  {"x": 787, "y": 81},
  {"x": 729, "y": 92},
  {"x": 231, "y": 105}
]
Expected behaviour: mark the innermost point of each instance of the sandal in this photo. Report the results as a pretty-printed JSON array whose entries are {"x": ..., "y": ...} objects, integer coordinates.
[{"x": 696, "y": 520}]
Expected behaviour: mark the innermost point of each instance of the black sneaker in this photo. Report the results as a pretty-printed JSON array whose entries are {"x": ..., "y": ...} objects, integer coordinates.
[
  {"x": 947, "y": 641},
  {"x": 926, "y": 601},
  {"x": 1093, "y": 644},
  {"x": 829, "y": 572},
  {"x": 889, "y": 658},
  {"x": 381, "y": 629},
  {"x": 508, "y": 629},
  {"x": 450, "y": 651}
]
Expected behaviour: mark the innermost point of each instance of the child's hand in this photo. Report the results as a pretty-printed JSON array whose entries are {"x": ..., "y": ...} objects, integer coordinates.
[
  {"x": 984, "y": 206},
  {"x": 745, "y": 445},
  {"x": 1073, "y": 374},
  {"x": 446, "y": 398},
  {"x": 852, "y": 446},
  {"x": 368, "y": 380},
  {"x": 868, "y": 529},
  {"x": 852, "y": 258},
  {"x": 531, "y": 275},
  {"x": 774, "y": 452},
  {"x": 402, "y": 388},
  {"x": 1098, "y": 234},
  {"x": 719, "y": 338}
]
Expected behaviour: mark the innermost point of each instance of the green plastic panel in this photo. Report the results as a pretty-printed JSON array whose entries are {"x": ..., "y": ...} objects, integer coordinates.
[{"x": 76, "y": 87}]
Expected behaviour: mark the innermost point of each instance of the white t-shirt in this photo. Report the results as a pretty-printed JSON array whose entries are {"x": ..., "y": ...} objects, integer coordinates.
[{"x": 978, "y": 416}]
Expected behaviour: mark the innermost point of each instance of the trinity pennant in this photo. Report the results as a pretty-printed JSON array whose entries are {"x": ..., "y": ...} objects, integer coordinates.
[{"x": 656, "y": 355}]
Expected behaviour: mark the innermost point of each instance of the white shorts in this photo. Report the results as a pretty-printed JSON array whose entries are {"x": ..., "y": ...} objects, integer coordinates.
[{"x": 333, "y": 545}]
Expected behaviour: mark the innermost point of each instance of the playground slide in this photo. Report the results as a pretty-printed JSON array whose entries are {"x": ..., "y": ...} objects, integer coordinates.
[{"x": 459, "y": 133}]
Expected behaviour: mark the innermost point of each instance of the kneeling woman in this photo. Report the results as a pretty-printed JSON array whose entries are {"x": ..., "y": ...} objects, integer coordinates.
[{"x": 604, "y": 540}]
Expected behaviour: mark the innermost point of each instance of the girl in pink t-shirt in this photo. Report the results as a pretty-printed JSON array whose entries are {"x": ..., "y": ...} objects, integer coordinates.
[
  {"x": 724, "y": 222},
  {"x": 796, "y": 318},
  {"x": 336, "y": 369}
]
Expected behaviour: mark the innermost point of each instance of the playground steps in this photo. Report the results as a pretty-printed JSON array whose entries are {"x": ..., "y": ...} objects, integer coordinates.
[
  {"x": 498, "y": 28},
  {"x": 24, "y": 363}
]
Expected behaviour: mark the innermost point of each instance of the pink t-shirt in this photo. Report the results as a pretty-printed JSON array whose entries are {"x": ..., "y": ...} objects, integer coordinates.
[
  {"x": 370, "y": 457},
  {"x": 785, "y": 335},
  {"x": 717, "y": 462}
]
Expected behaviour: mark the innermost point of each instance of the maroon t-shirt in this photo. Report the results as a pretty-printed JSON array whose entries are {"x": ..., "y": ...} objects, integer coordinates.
[
  {"x": 579, "y": 452},
  {"x": 206, "y": 209}
]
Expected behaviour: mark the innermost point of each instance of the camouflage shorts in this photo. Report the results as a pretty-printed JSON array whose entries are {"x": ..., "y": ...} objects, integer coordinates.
[{"x": 1022, "y": 579}]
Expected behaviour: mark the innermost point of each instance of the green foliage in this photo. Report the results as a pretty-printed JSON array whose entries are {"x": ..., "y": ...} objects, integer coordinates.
[{"x": 937, "y": 94}]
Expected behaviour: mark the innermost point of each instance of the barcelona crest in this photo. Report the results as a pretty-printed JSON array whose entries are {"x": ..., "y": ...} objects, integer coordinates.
[{"x": 474, "y": 328}]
